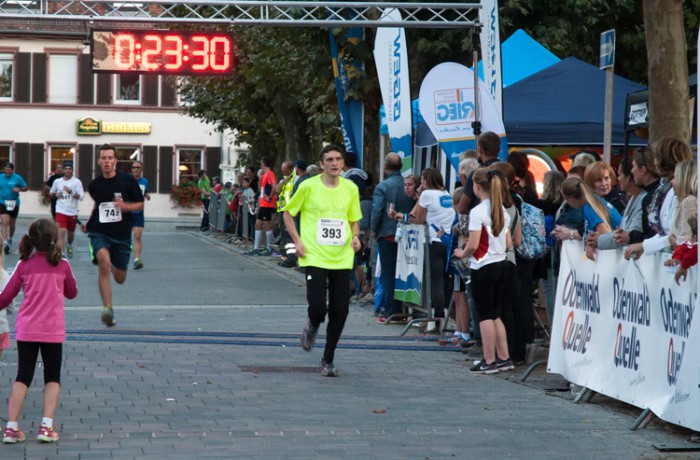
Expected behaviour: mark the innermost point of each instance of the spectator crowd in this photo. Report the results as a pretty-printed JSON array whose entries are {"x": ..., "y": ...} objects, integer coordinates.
[{"x": 483, "y": 235}]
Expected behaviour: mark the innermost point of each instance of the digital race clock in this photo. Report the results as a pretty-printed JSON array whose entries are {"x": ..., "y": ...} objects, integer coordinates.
[{"x": 170, "y": 52}]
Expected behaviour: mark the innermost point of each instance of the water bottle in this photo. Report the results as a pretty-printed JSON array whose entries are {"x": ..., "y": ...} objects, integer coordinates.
[
  {"x": 548, "y": 228},
  {"x": 399, "y": 233}
]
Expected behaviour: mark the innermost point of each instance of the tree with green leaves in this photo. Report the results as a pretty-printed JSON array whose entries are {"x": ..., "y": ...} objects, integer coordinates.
[{"x": 280, "y": 98}]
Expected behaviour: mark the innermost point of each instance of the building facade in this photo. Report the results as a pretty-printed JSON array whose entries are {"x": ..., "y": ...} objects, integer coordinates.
[{"x": 53, "y": 108}]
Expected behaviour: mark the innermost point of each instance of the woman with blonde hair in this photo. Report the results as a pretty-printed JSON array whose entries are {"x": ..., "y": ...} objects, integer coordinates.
[
  {"x": 685, "y": 186},
  {"x": 489, "y": 239},
  {"x": 601, "y": 178},
  {"x": 599, "y": 215}
]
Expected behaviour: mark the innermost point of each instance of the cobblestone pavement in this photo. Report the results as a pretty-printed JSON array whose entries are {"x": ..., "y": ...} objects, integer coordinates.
[{"x": 205, "y": 363}]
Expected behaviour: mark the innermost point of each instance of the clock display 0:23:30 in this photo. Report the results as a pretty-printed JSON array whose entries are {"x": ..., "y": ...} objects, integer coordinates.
[{"x": 162, "y": 52}]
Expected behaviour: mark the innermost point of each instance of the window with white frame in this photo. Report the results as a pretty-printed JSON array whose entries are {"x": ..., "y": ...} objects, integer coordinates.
[
  {"x": 127, "y": 89},
  {"x": 63, "y": 79},
  {"x": 189, "y": 162},
  {"x": 6, "y": 69}
]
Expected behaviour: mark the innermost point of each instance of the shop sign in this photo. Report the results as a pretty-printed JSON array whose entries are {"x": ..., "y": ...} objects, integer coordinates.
[{"x": 88, "y": 126}]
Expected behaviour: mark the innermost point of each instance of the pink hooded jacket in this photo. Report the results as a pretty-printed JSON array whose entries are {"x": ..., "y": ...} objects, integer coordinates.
[{"x": 40, "y": 317}]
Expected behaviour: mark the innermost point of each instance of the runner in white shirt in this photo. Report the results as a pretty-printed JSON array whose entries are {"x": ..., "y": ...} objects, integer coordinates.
[{"x": 68, "y": 191}]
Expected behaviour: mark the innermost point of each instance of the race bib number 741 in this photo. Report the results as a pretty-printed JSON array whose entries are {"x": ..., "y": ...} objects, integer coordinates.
[{"x": 331, "y": 232}]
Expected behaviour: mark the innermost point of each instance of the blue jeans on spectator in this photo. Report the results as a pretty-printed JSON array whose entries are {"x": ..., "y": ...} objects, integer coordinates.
[{"x": 387, "y": 258}]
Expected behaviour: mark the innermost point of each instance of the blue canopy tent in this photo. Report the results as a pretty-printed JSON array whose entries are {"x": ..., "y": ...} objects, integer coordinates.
[
  {"x": 564, "y": 105},
  {"x": 522, "y": 56}
]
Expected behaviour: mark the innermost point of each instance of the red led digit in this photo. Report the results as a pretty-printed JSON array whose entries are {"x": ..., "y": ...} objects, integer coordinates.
[
  {"x": 124, "y": 51},
  {"x": 152, "y": 46},
  {"x": 202, "y": 53},
  {"x": 220, "y": 48},
  {"x": 175, "y": 53}
]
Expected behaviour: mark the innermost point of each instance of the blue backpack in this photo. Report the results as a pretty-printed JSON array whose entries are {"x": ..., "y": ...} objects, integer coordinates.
[{"x": 534, "y": 240}]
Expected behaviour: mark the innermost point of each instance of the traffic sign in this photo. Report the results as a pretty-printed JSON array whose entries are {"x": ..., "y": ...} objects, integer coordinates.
[{"x": 607, "y": 49}]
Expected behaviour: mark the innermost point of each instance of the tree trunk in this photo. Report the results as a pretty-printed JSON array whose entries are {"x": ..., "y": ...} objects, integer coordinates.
[
  {"x": 295, "y": 127},
  {"x": 668, "y": 69}
]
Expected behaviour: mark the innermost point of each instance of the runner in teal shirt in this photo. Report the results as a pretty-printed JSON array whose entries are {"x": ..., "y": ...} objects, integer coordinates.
[{"x": 10, "y": 186}]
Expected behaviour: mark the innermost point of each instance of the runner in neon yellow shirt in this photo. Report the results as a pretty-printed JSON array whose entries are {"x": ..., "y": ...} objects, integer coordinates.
[{"x": 330, "y": 212}]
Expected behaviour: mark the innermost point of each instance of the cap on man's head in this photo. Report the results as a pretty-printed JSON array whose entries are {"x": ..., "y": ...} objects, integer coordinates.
[
  {"x": 68, "y": 164},
  {"x": 301, "y": 164}
]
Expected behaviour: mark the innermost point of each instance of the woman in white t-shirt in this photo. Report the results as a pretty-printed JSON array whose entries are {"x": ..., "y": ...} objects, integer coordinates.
[
  {"x": 434, "y": 207},
  {"x": 489, "y": 240}
]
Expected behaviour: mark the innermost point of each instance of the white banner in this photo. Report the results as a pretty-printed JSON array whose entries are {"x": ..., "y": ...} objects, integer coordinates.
[
  {"x": 491, "y": 50},
  {"x": 627, "y": 330},
  {"x": 409, "y": 263},
  {"x": 391, "y": 59},
  {"x": 447, "y": 105}
]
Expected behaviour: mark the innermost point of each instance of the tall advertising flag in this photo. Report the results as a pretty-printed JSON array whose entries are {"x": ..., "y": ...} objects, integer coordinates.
[
  {"x": 447, "y": 105},
  {"x": 352, "y": 111},
  {"x": 491, "y": 50},
  {"x": 391, "y": 59}
]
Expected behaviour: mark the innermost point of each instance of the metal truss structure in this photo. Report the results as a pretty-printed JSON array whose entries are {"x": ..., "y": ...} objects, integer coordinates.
[{"x": 261, "y": 13}]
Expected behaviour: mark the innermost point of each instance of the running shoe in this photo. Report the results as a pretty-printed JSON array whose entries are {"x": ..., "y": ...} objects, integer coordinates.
[
  {"x": 7, "y": 249},
  {"x": 138, "y": 264},
  {"x": 47, "y": 434},
  {"x": 481, "y": 367},
  {"x": 504, "y": 364},
  {"x": 381, "y": 319},
  {"x": 252, "y": 252},
  {"x": 308, "y": 335},
  {"x": 287, "y": 263},
  {"x": 69, "y": 251},
  {"x": 108, "y": 316},
  {"x": 12, "y": 436},
  {"x": 264, "y": 252},
  {"x": 454, "y": 341},
  {"x": 328, "y": 369}
]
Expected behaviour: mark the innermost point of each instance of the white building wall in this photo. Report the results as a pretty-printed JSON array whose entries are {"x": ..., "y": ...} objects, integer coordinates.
[{"x": 56, "y": 124}]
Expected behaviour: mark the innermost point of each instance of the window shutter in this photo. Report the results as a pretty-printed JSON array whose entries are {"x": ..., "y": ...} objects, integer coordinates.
[
  {"x": 35, "y": 174},
  {"x": 85, "y": 163},
  {"x": 212, "y": 161},
  {"x": 39, "y": 78},
  {"x": 165, "y": 179},
  {"x": 150, "y": 166},
  {"x": 104, "y": 86},
  {"x": 23, "y": 77},
  {"x": 150, "y": 90},
  {"x": 21, "y": 158},
  {"x": 86, "y": 87}
]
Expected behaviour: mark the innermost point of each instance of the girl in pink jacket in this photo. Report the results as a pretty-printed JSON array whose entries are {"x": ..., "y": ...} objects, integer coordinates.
[{"x": 45, "y": 278}]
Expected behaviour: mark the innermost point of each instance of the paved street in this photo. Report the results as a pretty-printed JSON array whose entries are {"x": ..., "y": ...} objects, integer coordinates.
[{"x": 205, "y": 363}]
